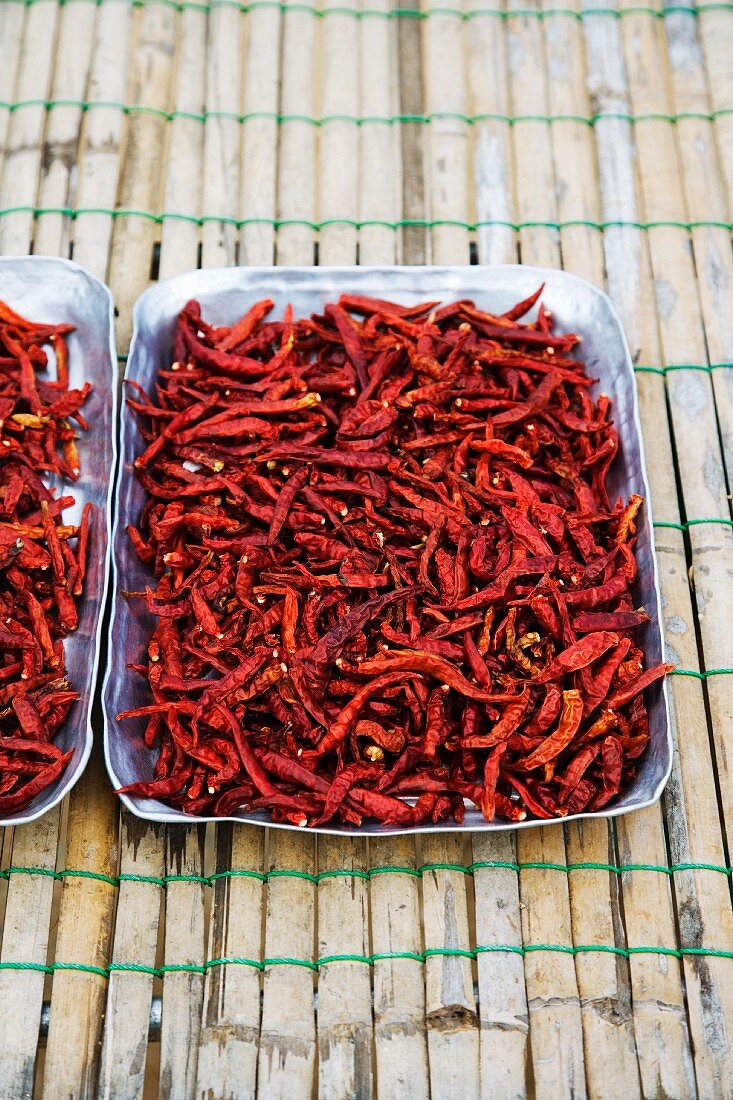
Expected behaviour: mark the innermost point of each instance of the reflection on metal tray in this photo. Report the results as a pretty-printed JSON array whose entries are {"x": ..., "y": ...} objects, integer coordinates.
[
  {"x": 58, "y": 291},
  {"x": 224, "y": 295}
]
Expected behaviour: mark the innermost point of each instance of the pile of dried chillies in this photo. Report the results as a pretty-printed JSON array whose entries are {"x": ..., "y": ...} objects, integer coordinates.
[
  {"x": 42, "y": 559},
  {"x": 388, "y": 574}
]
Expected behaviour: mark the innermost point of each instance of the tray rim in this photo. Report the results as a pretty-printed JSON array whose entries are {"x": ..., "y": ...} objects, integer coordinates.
[
  {"x": 31, "y": 813},
  {"x": 169, "y": 815}
]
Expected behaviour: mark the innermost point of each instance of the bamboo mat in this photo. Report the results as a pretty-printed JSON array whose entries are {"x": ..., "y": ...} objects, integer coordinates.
[{"x": 146, "y": 138}]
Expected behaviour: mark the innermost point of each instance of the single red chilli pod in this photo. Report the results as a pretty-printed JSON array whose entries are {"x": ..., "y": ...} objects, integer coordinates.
[
  {"x": 570, "y": 718},
  {"x": 339, "y": 730},
  {"x": 492, "y": 767},
  {"x": 428, "y": 664},
  {"x": 576, "y": 769},
  {"x": 164, "y": 787},
  {"x": 609, "y": 620},
  {"x": 341, "y": 786},
  {"x": 633, "y": 688},
  {"x": 581, "y": 653},
  {"x": 246, "y": 325},
  {"x": 508, "y": 723},
  {"x": 547, "y": 713},
  {"x": 287, "y": 496},
  {"x": 523, "y": 307}
]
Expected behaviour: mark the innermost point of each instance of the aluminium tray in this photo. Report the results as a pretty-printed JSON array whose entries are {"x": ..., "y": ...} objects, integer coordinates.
[
  {"x": 56, "y": 291},
  {"x": 224, "y": 295}
]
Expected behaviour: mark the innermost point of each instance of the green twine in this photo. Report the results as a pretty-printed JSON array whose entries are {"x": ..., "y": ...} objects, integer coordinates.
[
  {"x": 407, "y": 13},
  {"x": 362, "y": 120},
  {"x": 707, "y": 368},
  {"x": 353, "y": 223},
  {"x": 686, "y": 524},
  {"x": 373, "y": 872},
  {"x": 367, "y": 960}
]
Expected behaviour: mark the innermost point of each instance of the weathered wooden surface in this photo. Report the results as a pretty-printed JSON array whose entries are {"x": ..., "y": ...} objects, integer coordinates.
[{"x": 148, "y": 138}]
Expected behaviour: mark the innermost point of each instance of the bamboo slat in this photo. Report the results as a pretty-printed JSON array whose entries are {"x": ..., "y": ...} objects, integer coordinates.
[
  {"x": 230, "y": 1030},
  {"x": 503, "y": 1008},
  {"x": 338, "y": 136},
  {"x": 25, "y": 939},
  {"x": 447, "y": 153},
  {"x": 715, "y": 33},
  {"x": 399, "y": 984},
  {"x": 140, "y": 184},
  {"x": 63, "y": 124},
  {"x": 344, "y": 985},
  {"x": 221, "y": 148},
  {"x": 379, "y": 187},
  {"x": 297, "y": 153},
  {"x": 12, "y": 18},
  {"x": 661, "y": 1033},
  {"x": 536, "y": 195},
  {"x": 260, "y": 136},
  {"x": 25, "y": 131},
  {"x": 415, "y": 238},
  {"x": 102, "y": 140},
  {"x": 129, "y": 994},
  {"x": 493, "y": 162},
  {"x": 287, "y": 1053},
  {"x": 183, "y": 990},
  {"x": 450, "y": 1003},
  {"x": 180, "y": 236},
  {"x": 84, "y": 936}
]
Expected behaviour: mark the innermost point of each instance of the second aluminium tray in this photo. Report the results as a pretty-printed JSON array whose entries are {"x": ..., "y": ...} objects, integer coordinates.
[
  {"x": 58, "y": 291},
  {"x": 224, "y": 296}
]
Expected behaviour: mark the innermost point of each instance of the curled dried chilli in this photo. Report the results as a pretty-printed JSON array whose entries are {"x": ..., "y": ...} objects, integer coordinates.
[
  {"x": 42, "y": 558},
  {"x": 385, "y": 573}
]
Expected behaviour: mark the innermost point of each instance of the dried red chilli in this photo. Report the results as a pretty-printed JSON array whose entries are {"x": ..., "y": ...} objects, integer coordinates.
[
  {"x": 42, "y": 558},
  {"x": 385, "y": 567}
]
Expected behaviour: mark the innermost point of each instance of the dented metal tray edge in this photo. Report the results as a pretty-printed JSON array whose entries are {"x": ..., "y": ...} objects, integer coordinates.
[
  {"x": 102, "y": 431},
  {"x": 445, "y": 283}
]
